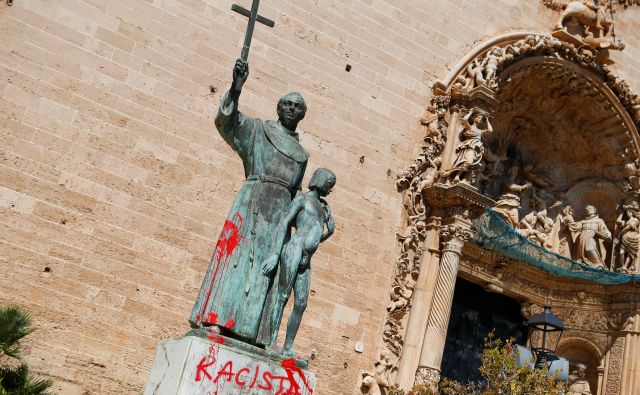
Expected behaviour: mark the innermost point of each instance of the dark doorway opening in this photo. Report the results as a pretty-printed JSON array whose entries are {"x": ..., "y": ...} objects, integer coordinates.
[{"x": 474, "y": 313}]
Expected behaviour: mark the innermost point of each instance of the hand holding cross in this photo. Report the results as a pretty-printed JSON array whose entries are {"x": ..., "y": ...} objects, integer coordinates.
[
  {"x": 240, "y": 74},
  {"x": 241, "y": 68}
]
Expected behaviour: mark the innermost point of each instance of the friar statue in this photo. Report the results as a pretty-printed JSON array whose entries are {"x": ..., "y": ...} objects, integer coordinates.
[
  {"x": 234, "y": 289},
  {"x": 578, "y": 384}
]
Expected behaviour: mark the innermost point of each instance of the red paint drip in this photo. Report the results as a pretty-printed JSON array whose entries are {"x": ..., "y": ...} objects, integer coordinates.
[
  {"x": 228, "y": 241},
  {"x": 289, "y": 366}
]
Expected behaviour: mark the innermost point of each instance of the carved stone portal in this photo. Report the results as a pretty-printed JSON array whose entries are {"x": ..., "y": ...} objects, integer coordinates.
[{"x": 541, "y": 130}]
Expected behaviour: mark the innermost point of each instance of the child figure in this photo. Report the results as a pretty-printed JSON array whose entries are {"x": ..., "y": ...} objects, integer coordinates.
[{"x": 310, "y": 213}]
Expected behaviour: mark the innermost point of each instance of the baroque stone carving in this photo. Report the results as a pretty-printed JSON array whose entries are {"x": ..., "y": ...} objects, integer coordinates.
[
  {"x": 614, "y": 376},
  {"x": 470, "y": 151},
  {"x": 578, "y": 384},
  {"x": 528, "y": 186},
  {"x": 592, "y": 232},
  {"x": 627, "y": 239},
  {"x": 428, "y": 377},
  {"x": 382, "y": 377},
  {"x": 596, "y": 27},
  {"x": 428, "y": 161}
]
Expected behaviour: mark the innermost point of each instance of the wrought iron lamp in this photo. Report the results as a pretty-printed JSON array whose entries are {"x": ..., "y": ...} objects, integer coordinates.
[{"x": 545, "y": 322}]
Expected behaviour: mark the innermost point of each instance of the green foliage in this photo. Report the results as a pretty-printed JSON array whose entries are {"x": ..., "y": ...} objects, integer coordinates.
[
  {"x": 15, "y": 324},
  {"x": 501, "y": 375},
  {"x": 18, "y": 381}
]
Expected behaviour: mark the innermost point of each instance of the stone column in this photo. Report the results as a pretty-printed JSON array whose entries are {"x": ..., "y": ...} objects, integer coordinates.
[
  {"x": 452, "y": 239},
  {"x": 420, "y": 306},
  {"x": 630, "y": 382}
]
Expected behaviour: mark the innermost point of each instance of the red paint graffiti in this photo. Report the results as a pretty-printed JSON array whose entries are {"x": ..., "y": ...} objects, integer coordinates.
[
  {"x": 211, "y": 321},
  {"x": 284, "y": 385},
  {"x": 289, "y": 366},
  {"x": 201, "y": 369},
  {"x": 228, "y": 241}
]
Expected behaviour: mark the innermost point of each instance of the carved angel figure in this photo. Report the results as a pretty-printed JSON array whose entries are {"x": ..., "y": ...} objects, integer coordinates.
[
  {"x": 491, "y": 62},
  {"x": 537, "y": 225},
  {"x": 469, "y": 153},
  {"x": 629, "y": 237},
  {"x": 401, "y": 294}
]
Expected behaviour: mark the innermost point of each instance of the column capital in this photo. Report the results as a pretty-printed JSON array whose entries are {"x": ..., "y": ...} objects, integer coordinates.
[
  {"x": 453, "y": 236},
  {"x": 429, "y": 377}
]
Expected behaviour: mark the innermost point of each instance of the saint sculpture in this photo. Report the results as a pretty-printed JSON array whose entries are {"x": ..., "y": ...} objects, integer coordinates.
[{"x": 234, "y": 289}]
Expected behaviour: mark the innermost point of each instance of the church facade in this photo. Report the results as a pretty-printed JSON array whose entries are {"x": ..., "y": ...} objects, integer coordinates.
[{"x": 483, "y": 150}]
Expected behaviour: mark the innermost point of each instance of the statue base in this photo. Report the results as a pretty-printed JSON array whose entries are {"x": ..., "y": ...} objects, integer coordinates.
[{"x": 194, "y": 365}]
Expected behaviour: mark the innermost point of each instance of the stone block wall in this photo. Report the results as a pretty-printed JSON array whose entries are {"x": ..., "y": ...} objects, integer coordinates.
[{"x": 114, "y": 183}]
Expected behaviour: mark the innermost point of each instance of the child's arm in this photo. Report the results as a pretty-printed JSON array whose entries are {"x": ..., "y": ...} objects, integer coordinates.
[
  {"x": 331, "y": 225},
  {"x": 281, "y": 231}
]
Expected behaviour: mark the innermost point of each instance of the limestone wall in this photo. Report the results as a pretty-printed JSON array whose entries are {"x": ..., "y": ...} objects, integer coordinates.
[{"x": 114, "y": 183}]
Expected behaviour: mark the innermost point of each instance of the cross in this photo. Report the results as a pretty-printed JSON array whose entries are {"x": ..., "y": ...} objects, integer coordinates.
[{"x": 253, "y": 17}]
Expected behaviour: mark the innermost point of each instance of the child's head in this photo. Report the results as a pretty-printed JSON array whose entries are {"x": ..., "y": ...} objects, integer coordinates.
[{"x": 322, "y": 180}]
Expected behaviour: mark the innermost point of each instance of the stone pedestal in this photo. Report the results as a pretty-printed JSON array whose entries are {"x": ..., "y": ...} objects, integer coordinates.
[{"x": 193, "y": 365}]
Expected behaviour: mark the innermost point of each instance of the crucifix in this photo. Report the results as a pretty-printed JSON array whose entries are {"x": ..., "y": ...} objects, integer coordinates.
[{"x": 253, "y": 17}]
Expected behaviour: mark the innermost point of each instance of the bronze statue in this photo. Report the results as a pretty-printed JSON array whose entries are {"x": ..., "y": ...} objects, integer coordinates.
[
  {"x": 234, "y": 289},
  {"x": 309, "y": 213}
]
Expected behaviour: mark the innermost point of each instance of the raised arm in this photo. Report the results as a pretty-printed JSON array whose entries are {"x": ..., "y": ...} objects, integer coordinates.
[
  {"x": 281, "y": 232},
  {"x": 234, "y": 127}
]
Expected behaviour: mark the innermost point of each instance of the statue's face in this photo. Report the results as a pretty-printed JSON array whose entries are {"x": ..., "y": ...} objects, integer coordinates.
[
  {"x": 590, "y": 210},
  {"x": 291, "y": 110}
]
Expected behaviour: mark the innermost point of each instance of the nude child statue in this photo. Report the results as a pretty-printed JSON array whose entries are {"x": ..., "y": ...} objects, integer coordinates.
[{"x": 308, "y": 213}]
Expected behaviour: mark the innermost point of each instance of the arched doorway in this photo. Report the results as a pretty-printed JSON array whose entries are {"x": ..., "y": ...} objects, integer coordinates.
[{"x": 526, "y": 111}]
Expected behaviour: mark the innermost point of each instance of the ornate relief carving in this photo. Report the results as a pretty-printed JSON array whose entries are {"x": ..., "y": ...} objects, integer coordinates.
[
  {"x": 453, "y": 236},
  {"x": 471, "y": 150},
  {"x": 421, "y": 181},
  {"x": 423, "y": 171},
  {"x": 626, "y": 242},
  {"x": 614, "y": 376},
  {"x": 594, "y": 26},
  {"x": 428, "y": 377}
]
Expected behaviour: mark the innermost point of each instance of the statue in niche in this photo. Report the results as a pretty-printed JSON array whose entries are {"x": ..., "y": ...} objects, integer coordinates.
[
  {"x": 592, "y": 232},
  {"x": 469, "y": 153},
  {"x": 563, "y": 238},
  {"x": 628, "y": 238},
  {"x": 537, "y": 225},
  {"x": 578, "y": 384},
  {"x": 234, "y": 289},
  {"x": 309, "y": 213}
]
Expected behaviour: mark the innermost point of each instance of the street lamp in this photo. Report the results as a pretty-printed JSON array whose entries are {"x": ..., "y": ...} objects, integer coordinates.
[{"x": 546, "y": 322}]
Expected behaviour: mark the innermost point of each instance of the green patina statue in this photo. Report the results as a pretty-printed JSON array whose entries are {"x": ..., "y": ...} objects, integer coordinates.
[
  {"x": 234, "y": 289},
  {"x": 308, "y": 213}
]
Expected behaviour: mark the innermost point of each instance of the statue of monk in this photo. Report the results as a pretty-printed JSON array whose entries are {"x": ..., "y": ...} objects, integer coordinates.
[
  {"x": 578, "y": 384},
  {"x": 592, "y": 233},
  {"x": 234, "y": 289}
]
